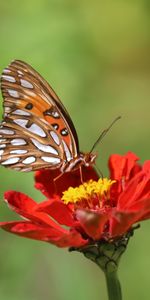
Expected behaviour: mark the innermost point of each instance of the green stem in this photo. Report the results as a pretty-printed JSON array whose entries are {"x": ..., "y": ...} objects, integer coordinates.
[
  {"x": 113, "y": 286},
  {"x": 107, "y": 254}
]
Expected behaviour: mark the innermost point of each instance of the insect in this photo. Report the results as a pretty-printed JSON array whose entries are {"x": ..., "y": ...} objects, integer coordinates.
[{"x": 37, "y": 131}]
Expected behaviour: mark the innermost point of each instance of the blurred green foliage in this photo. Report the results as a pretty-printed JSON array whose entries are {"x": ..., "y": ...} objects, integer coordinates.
[{"x": 95, "y": 54}]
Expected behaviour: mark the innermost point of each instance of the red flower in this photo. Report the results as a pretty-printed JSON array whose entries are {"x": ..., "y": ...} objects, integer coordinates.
[{"x": 102, "y": 209}]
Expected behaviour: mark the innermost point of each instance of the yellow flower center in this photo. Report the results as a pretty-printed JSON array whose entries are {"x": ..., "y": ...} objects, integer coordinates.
[{"x": 90, "y": 194}]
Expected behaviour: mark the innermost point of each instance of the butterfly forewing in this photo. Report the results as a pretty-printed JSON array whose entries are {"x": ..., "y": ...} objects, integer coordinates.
[{"x": 37, "y": 131}]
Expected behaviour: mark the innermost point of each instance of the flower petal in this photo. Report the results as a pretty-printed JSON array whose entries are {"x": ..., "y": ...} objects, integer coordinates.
[
  {"x": 19, "y": 201},
  {"x": 57, "y": 210},
  {"x": 123, "y": 220},
  {"x": 137, "y": 188},
  {"x": 146, "y": 166},
  {"x": 121, "y": 166},
  {"x": 142, "y": 208},
  {"x": 61, "y": 238},
  {"x": 44, "y": 181},
  {"x": 26, "y": 207},
  {"x": 51, "y": 182},
  {"x": 121, "y": 223},
  {"x": 26, "y": 229},
  {"x": 92, "y": 223},
  {"x": 71, "y": 239}
]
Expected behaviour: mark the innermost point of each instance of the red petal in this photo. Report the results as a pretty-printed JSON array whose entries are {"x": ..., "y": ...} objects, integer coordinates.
[
  {"x": 137, "y": 188},
  {"x": 123, "y": 220},
  {"x": 71, "y": 239},
  {"x": 19, "y": 201},
  {"x": 122, "y": 165},
  {"x": 142, "y": 208},
  {"x": 92, "y": 223},
  {"x": 25, "y": 206},
  {"x": 44, "y": 181},
  {"x": 51, "y": 182},
  {"x": 146, "y": 166},
  {"x": 61, "y": 238},
  {"x": 121, "y": 223},
  {"x": 26, "y": 229},
  {"x": 57, "y": 210}
]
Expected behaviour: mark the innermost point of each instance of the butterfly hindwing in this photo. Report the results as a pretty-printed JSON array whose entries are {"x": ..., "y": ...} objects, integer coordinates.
[{"x": 26, "y": 150}]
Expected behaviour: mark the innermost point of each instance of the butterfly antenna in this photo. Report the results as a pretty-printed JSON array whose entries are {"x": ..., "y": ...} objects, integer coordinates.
[{"x": 104, "y": 133}]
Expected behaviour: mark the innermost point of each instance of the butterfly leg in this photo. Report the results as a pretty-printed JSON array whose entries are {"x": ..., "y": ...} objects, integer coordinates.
[
  {"x": 55, "y": 181},
  {"x": 81, "y": 174}
]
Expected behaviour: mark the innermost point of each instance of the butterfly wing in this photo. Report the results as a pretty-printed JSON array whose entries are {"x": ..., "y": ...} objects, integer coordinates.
[{"x": 37, "y": 131}]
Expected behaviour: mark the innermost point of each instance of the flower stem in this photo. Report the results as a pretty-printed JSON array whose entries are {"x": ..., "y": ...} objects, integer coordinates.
[
  {"x": 113, "y": 286},
  {"x": 107, "y": 256}
]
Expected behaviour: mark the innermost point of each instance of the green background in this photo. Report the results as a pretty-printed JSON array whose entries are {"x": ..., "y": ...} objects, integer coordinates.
[{"x": 95, "y": 54}]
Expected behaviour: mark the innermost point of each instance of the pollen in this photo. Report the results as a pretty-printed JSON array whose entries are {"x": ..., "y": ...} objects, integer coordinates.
[{"x": 90, "y": 193}]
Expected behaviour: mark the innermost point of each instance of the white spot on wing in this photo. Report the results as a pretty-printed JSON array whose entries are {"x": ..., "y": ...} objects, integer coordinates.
[
  {"x": 55, "y": 137},
  {"x": 21, "y": 122},
  {"x": 19, "y": 151},
  {"x": 1, "y": 152},
  {"x": 2, "y": 146},
  {"x": 9, "y": 78},
  {"x": 29, "y": 160},
  {"x": 7, "y": 71},
  {"x": 10, "y": 161},
  {"x": 19, "y": 72},
  {"x": 68, "y": 154},
  {"x": 37, "y": 130},
  {"x": 7, "y": 131},
  {"x": 13, "y": 93},
  {"x": 26, "y": 84},
  {"x": 33, "y": 128},
  {"x": 44, "y": 148},
  {"x": 55, "y": 114},
  {"x": 18, "y": 142},
  {"x": 52, "y": 160},
  {"x": 7, "y": 109},
  {"x": 21, "y": 112}
]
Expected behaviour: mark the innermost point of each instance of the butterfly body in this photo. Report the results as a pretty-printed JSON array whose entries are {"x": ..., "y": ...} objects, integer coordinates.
[
  {"x": 37, "y": 131},
  {"x": 83, "y": 159}
]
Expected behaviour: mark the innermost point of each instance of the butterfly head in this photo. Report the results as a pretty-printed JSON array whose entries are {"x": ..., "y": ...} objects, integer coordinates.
[{"x": 89, "y": 159}]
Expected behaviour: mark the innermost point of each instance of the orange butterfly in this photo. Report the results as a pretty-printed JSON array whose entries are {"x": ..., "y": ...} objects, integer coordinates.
[{"x": 37, "y": 131}]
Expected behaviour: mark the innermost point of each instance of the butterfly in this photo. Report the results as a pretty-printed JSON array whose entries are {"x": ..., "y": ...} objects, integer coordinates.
[{"x": 37, "y": 131}]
